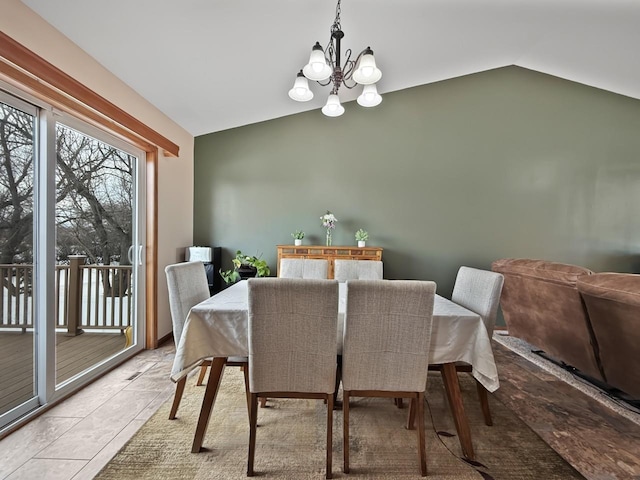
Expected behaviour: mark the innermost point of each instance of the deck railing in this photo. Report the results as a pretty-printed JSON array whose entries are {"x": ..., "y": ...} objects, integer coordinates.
[{"x": 87, "y": 296}]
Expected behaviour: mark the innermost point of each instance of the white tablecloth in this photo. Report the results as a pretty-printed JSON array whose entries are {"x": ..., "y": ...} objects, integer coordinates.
[{"x": 218, "y": 326}]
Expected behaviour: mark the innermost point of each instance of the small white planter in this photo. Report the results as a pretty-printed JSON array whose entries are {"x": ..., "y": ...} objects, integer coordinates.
[
  {"x": 361, "y": 243},
  {"x": 297, "y": 242}
]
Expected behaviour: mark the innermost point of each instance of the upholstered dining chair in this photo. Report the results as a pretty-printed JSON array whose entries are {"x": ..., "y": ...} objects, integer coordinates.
[
  {"x": 306, "y": 268},
  {"x": 188, "y": 285},
  {"x": 292, "y": 346},
  {"x": 479, "y": 291},
  {"x": 357, "y": 270},
  {"x": 386, "y": 342}
]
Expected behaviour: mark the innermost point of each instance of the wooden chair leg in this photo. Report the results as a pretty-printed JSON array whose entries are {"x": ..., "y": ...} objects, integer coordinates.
[
  {"x": 399, "y": 402},
  {"x": 452, "y": 389},
  {"x": 483, "y": 396},
  {"x": 245, "y": 370},
  {"x": 210, "y": 394},
  {"x": 422, "y": 452},
  {"x": 203, "y": 372},
  {"x": 177, "y": 397},
  {"x": 329, "y": 473},
  {"x": 411, "y": 416},
  {"x": 263, "y": 402},
  {"x": 345, "y": 431},
  {"x": 253, "y": 417}
]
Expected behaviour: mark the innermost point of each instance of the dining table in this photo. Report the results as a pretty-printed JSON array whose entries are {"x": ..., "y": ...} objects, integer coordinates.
[{"x": 218, "y": 328}]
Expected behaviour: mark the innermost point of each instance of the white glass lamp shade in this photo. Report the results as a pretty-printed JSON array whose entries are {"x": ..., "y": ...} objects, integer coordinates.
[
  {"x": 333, "y": 107},
  {"x": 317, "y": 69},
  {"x": 367, "y": 72},
  {"x": 369, "y": 96},
  {"x": 300, "y": 91}
]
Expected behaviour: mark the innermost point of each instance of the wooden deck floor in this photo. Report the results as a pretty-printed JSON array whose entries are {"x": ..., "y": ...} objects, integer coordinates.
[{"x": 73, "y": 355}]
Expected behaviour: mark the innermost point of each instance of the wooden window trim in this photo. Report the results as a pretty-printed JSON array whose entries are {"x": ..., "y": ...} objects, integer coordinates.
[
  {"x": 151, "y": 251},
  {"x": 47, "y": 78},
  {"x": 29, "y": 72}
]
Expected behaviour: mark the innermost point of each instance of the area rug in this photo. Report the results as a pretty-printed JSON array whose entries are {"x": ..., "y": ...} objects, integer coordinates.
[{"x": 291, "y": 441}]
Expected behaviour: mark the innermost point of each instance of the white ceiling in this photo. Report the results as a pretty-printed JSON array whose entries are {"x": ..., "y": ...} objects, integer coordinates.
[{"x": 211, "y": 65}]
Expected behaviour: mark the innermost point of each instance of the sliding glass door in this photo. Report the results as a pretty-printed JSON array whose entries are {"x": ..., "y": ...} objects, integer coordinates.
[
  {"x": 97, "y": 248},
  {"x": 18, "y": 385},
  {"x": 71, "y": 260}
]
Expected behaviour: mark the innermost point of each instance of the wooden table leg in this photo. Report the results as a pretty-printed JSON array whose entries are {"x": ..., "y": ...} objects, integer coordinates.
[
  {"x": 452, "y": 387},
  {"x": 213, "y": 384}
]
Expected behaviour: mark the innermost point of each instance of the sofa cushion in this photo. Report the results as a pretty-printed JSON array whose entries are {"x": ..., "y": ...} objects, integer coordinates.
[
  {"x": 561, "y": 273},
  {"x": 618, "y": 287},
  {"x": 613, "y": 303},
  {"x": 541, "y": 305}
]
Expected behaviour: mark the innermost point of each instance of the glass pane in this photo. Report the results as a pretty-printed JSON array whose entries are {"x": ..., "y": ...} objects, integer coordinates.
[
  {"x": 17, "y": 377},
  {"x": 94, "y": 221}
]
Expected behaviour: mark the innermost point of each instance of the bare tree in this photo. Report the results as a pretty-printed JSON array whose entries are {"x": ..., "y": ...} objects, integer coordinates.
[
  {"x": 16, "y": 186},
  {"x": 94, "y": 191},
  {"x": 96, "y": 183}
]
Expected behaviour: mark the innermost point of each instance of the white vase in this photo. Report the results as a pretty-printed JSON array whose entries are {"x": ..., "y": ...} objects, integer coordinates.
[
  {"x": 361, "y": 243},
  {"x": 297, "y": 242}
]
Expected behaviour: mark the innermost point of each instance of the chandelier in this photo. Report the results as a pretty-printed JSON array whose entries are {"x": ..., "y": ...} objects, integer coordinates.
[{"x": 324, "y": 67}]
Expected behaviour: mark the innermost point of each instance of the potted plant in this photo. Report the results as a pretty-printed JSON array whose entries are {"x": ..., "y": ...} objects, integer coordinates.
[
  {"x": 245, "y": 266},
  {"x": 298, "y": 235},
  {"x": 362, "y": 236}
]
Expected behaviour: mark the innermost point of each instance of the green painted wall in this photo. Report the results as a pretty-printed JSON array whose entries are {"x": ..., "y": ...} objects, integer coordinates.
[{"x": 504, "y": 163}]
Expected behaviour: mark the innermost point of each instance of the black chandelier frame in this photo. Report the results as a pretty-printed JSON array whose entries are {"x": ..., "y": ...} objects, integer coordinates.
[{"x": 341, "y": 75}]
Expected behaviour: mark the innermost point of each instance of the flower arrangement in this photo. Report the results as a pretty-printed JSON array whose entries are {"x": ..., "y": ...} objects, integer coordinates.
[{"x": 329, "y": 221}]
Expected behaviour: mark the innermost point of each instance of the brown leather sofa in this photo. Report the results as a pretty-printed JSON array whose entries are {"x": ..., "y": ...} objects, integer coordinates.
[
  {"x": 541, "y": 304},
  {"x": 613, "y": 304}
]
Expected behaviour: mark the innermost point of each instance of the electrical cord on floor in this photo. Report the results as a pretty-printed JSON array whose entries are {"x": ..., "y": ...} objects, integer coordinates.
[{"x": 472, "y": 463}]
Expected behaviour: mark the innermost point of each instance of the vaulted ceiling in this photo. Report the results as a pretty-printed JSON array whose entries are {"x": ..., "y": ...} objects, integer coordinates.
[{"x": 211, "y": 65}]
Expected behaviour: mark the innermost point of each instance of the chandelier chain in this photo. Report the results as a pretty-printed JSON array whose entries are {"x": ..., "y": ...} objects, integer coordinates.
[
  {"x": 336, "y": 22},
  {"x": 341, "y": 73}
]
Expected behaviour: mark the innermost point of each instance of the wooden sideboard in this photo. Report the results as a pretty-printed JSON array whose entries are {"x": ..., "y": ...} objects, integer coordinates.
[{"x": 328, "y": 253}]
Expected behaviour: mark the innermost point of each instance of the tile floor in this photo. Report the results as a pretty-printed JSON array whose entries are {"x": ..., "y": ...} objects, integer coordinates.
[{"x": 76, "y": 438}]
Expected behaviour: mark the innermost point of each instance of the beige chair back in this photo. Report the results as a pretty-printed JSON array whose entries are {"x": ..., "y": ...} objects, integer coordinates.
[
  {"x": 188, "y": 285},
  {"x": 307, "y": 268},
  {"x": 292, "y": 335},
  {"x": 357, "y": 270},
  {"x": 479, "y": 291},
  {"x": 387, "y": 335}
]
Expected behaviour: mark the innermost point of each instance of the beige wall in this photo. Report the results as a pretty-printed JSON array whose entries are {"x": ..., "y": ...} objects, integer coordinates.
[
  {"x": 504, "y": 163},
  {"x": 175, "y": 176}
]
